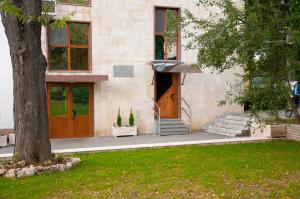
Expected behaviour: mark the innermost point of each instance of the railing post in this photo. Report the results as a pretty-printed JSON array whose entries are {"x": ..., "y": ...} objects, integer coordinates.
[
  {"x": 190, "y": 113},
  {"x": 157, "y": 113}
]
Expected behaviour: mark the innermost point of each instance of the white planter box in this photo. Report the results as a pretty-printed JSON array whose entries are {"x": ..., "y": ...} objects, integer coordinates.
[
  {"x": 275, "y": 131},
  {"x": 271, "y": 131},
  {"x": 3, "y": 140},
  {"x": 124, "y": 131}
]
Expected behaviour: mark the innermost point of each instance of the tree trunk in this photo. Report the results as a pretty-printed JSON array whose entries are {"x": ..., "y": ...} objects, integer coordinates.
[
  {"x": 295, "y": 110},
  {"x": 29, "y": 67}
]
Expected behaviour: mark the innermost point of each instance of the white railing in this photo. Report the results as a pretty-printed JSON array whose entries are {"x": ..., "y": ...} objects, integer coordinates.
[
  {"x": 156, "y": 110},
  {"x": 188, "y": 113}
]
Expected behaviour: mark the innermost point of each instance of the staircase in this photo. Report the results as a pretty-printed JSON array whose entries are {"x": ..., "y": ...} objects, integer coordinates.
[
  {"x": 293, "y": 132},
  {"x": 230, "y": 125},
  {"x": 171, "y": 127}
]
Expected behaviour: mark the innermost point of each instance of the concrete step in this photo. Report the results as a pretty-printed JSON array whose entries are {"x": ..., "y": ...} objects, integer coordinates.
[
  {"x": 172, "y": 133},
  {"x": 296, "y": 127},
  {"x": 293, "y": 129},
  {"x": 236, "y": 118},
  {"x": 293, "y": 137},
  {"x": 230, "y": 126},
  {"x": 164, "y": 121},
  {"x": 219, "y": 132},
  {"x": 233, "y": 122},
  {"x": 172, "y": 127},
  {"x": 232, "y": 131},
  {"x": 293, "y": 133}
]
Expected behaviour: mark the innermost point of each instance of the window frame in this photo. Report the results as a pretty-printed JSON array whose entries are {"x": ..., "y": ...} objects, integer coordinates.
[
  {"x": 69, "y": 47},
  {"x": 178, "y": 34}
]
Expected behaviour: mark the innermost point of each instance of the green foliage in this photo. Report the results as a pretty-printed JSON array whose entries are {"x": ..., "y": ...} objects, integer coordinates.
[
  {"x": 9, "y": 7},
  {"x": 119, "y": 119},
  {"x": 260, "y": 37},
  {"x": 131, "y": 118}
]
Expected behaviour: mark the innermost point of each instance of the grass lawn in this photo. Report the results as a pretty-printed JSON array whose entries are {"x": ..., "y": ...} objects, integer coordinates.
[{"x": 254, "y": 170}]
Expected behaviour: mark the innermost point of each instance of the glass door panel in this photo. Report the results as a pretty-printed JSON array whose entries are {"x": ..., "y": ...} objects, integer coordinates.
[
  {"x": 81, "y": 101},
  {"x": 81, "y": 108},
  {"x": 58, "y": 101},
  {"x": 58, "y": 111}
]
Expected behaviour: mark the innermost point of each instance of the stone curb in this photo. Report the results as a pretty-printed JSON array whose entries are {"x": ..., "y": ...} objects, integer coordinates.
[{"x": 37, "y": 170}]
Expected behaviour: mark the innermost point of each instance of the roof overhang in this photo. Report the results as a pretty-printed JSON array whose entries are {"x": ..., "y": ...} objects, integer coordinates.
[
  {"x": 173, "y": 67},
  {"x": 76, "y": 78}
]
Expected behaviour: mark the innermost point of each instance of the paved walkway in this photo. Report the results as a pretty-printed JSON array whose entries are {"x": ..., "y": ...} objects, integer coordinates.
[{"x": 141, "y": 141}]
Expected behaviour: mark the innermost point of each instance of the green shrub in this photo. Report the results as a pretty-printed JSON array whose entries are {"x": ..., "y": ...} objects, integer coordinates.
[
  {"x": 131, "y": 118},
  {"x": 119, "y": 119}
]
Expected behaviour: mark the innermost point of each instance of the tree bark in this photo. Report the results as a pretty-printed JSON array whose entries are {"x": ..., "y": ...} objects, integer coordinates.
[
  {"x": 29, "y": 67},
  {"x": 295, "y": 110}
]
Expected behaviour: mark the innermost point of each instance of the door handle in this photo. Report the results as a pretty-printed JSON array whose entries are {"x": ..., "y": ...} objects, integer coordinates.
[
  {"x": 172, "y": 97},
  {"x": 74, "y": 114}
]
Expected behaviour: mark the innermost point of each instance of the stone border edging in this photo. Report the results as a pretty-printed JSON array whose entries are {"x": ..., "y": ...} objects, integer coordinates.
[{"x": 37, "y": 170}]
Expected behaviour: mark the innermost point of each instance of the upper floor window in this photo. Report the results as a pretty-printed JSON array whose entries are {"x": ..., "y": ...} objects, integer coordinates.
[
  {"x": 69, "y": 47},
  {"x": 166, "y": 34},
  {"x": 76, "y": 2}
]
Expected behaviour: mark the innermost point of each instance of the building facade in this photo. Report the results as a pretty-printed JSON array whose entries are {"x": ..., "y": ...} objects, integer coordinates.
[
  {"x": 114, "y": 55},
  {"x": 6, "y": 85}
]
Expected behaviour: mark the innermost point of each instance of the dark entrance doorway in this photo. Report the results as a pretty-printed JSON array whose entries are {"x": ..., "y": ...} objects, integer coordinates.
[{"x": 167, "y": 90}]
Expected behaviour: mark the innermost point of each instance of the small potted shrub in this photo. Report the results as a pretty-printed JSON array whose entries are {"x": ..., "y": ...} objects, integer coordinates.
[
  {"x": 131, "y": 118},
  {"x": 128, "y": 130},
  {"x": 119, "y": 119}
]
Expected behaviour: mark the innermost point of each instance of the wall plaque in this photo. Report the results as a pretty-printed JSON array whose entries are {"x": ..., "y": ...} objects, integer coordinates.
[{"x": 123, "y": 71}]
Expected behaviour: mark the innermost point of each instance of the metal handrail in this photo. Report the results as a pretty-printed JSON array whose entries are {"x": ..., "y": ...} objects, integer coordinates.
[
  {"x": 157, "y": 113},
  {"x": 188, "y": 114}
]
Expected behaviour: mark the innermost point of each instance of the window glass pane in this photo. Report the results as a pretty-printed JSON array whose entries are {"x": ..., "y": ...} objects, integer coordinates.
[
  {"x": 58, "y": 36},
  {"x": 159, "y": 47},
  {"x": 159, "y": 21},
  {"x": 79, "y": 33},
  {"x": 81, "y": 101},
  {"x": 172, "y": 34},
  {"x": 172, "y": 50},
  {"x": 59, "y": 101},
  {"x": 79, "y": 58},
  {"x": 58, "y": 58},
  {"x": 82, "y": 2}
]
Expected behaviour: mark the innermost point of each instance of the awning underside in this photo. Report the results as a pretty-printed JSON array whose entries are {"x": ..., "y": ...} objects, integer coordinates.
[{"x": 174, "y": 67}]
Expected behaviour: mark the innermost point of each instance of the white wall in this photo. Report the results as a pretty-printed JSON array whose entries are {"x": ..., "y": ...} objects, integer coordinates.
[
  {"x": 6, "y": 83},
  {"x": 123, "y": 34}
]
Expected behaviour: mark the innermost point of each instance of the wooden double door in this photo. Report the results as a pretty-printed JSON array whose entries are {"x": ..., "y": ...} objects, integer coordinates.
[
  {"x": 70, "y": 110},
  {"x": 167, "y": 90}
]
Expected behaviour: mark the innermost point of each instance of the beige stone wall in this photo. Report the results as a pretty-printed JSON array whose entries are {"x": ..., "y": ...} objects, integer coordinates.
[{"x": 123, "y": 34}]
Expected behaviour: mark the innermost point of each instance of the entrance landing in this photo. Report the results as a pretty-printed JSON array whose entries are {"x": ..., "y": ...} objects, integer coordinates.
[{"x": 142, "y": 141}]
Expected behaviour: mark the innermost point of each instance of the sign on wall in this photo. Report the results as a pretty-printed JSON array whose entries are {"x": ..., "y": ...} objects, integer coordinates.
[{"x": 123, "y": 71}]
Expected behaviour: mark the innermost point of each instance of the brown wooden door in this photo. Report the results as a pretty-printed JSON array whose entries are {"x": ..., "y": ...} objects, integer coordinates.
[
  {"x": 81, "y": 111},
  {"x": 168, "y": 102},
  {"x": 70, "y": 110}
]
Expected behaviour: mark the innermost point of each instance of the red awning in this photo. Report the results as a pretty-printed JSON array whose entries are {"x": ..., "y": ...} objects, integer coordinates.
[{"x": 76, "y": 78}]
